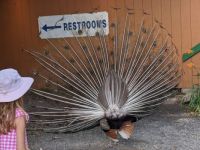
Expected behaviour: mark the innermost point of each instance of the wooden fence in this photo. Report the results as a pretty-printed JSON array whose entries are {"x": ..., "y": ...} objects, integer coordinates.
[{"x": 19, "y": 26}]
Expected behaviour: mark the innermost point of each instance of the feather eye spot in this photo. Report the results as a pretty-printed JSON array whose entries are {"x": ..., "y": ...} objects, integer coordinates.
[
  {"x": 98, "y": 48},
  {"x": 66, "y": 47},
  {"x": 46, "y": 52},
  {"x": 80, "y": 32}
]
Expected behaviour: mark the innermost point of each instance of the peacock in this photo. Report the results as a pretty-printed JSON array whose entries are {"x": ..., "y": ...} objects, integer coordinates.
[{"x": 112, "y": 81}]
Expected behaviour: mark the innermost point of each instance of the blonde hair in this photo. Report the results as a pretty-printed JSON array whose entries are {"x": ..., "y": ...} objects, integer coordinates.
[{"x": 7, "y": 115}]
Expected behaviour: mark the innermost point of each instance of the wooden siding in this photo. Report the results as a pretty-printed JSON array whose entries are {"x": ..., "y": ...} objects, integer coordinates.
[{"x": 19, "y": 26}]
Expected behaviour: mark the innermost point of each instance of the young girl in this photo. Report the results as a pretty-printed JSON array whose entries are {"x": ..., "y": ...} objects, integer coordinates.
[{"x": 13, "y": 118}]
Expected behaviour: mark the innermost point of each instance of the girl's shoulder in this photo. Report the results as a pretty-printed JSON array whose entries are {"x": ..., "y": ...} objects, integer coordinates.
[{"x": 19, "y": 112}]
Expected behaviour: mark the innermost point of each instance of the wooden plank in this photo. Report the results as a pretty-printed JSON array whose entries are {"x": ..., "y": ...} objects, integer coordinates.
[
  {"x": 195, "y": 35},
  {"x": 176, "y": 22},
  {"x": 157, "y": 9},
  {"x": 129, "y": 4},
  {"x": 137, "y": 4},
  {"x": 157, "y": 15},
  {"x": 11, "y": 36},
  {"x": 186, "y": 40},
  {"x": 176, "y": 28},
  {"x": 166, "y": 15},
  {"x": 25, "y": 39},
  {"x": 4, "y": 37},
  {"x": 138, "y": 15},
  {"x": 147, "y": 7},
  {"x": 121, "y": 18}
]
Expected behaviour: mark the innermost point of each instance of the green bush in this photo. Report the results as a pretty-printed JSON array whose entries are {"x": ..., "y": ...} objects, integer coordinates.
[{"x": 194, "y": 103}]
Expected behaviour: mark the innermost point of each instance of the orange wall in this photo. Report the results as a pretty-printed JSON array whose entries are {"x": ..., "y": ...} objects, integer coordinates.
[{"x": 19, "y": 26}]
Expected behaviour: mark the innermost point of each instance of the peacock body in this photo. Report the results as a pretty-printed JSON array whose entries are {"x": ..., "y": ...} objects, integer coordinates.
[{"x": 110, "y": 80}]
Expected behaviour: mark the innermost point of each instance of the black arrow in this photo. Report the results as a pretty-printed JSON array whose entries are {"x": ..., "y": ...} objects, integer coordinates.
[{"x": 45, "y": 27}]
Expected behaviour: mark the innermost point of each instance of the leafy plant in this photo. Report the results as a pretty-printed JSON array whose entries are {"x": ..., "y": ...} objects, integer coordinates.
[
  {"x": 194, "y": 97},
  {"x": 194, "y": 103}
]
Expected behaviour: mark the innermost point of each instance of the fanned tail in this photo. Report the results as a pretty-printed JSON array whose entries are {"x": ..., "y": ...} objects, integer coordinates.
[{"x": 130, "y": 72}]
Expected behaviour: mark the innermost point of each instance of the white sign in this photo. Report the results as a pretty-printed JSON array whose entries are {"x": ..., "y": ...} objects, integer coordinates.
[{"x": 86, "y": 24}]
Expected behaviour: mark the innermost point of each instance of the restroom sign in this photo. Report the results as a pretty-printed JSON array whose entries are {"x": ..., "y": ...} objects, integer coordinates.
[{"x": 79, "y": 25}]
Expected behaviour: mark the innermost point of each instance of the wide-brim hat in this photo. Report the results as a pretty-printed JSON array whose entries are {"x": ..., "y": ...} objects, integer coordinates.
[{"x": 12, "y": 85}]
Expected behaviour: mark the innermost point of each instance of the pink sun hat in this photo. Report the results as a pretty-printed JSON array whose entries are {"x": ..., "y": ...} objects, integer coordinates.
[{"x": 12, "y": 85}]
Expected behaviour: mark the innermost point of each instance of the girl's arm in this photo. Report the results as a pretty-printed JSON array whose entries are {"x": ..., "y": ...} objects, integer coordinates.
[{"x": 20, "y": 130}]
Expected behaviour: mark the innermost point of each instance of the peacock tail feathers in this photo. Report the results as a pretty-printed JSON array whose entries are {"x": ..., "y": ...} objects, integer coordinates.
[{"x": 127, "y": 73}]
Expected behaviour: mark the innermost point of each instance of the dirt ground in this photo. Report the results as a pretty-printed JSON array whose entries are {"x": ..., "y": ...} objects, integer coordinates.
[{"x": 172, "y": 127}]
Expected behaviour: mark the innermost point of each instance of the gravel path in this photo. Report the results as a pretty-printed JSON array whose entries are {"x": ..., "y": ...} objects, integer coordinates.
[{"x": 172, "y": 127}]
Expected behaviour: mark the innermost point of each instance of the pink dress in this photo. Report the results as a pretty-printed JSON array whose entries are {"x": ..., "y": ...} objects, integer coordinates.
[{"x": 8, "y": 141}]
